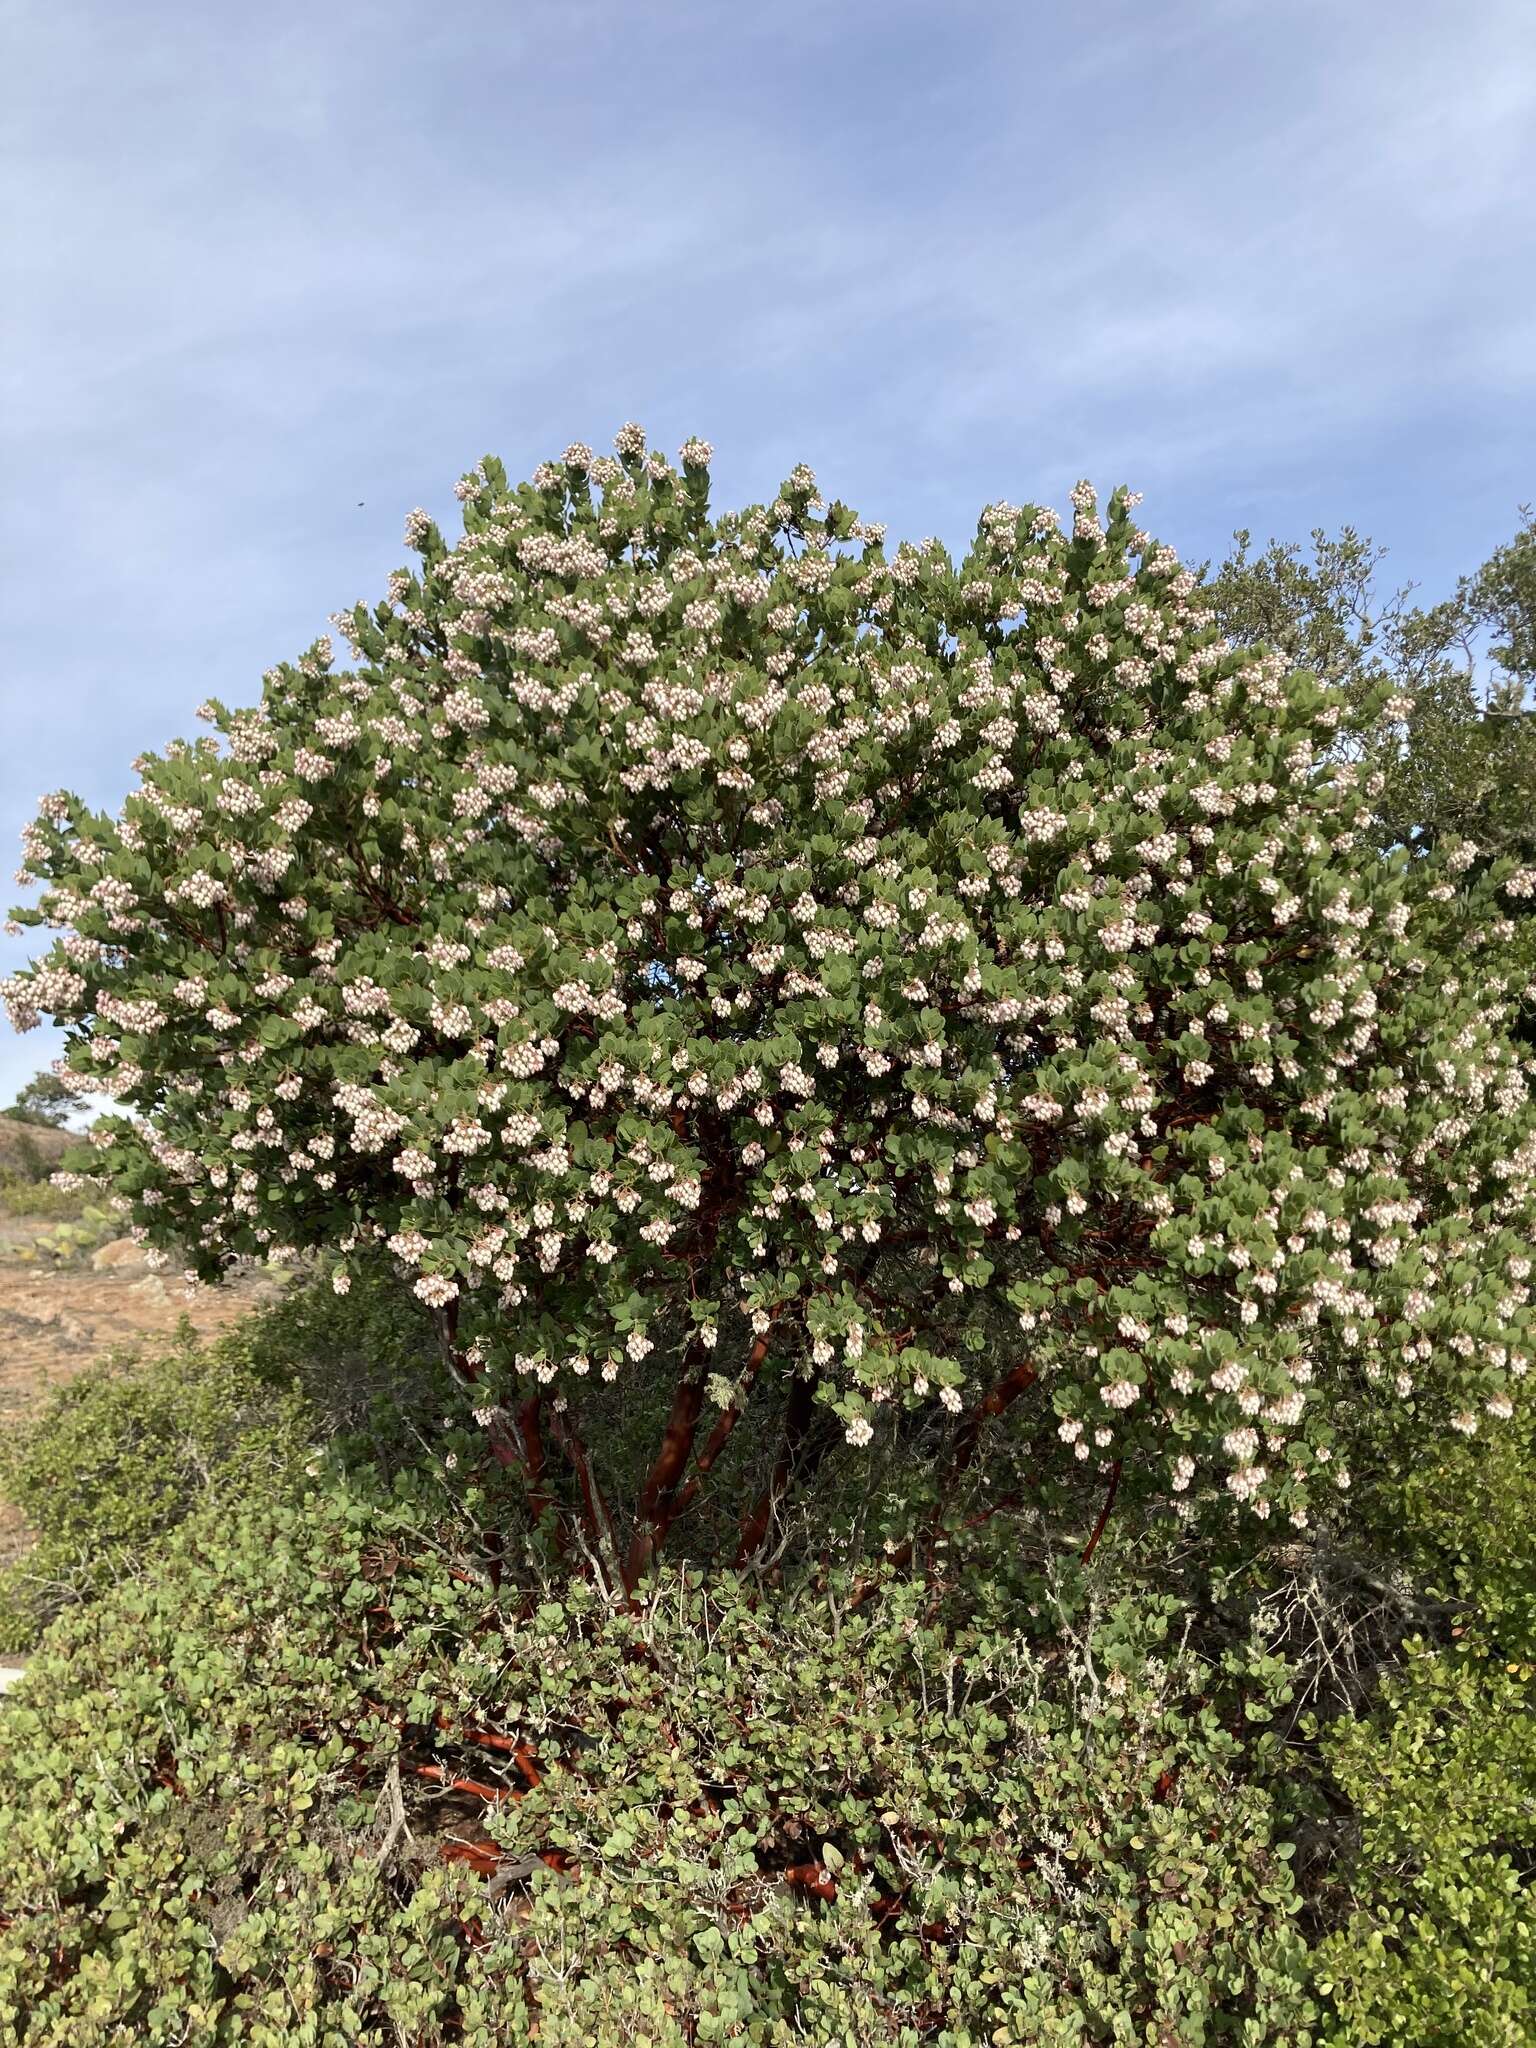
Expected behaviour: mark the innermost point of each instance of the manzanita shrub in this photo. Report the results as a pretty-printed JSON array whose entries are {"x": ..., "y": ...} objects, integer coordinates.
[{"x": 852, "y": 985}]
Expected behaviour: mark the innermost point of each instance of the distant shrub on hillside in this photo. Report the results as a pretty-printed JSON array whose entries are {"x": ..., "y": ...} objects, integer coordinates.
[
  {"x": 125, "y": 1451},
  {"x": 30, "y": 1152}
]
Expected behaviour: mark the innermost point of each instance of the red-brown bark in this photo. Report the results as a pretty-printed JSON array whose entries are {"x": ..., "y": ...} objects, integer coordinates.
[
  {"x": 597, "y": 1517},
  {"x": 992, "y": 1404},
  {"x": 1104, "y": 1513},
  {"x": 662, "y": 1481},
  {"x": 719, "y": 1436}
]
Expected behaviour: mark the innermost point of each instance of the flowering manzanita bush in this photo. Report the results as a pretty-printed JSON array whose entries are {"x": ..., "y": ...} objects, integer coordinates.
[{"x": 729, "y": 942}]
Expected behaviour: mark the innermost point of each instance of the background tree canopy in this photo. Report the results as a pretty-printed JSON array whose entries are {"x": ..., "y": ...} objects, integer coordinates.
[
  {"x": 44, "y": 1100},
  {"x": 1462, "y": 759}
]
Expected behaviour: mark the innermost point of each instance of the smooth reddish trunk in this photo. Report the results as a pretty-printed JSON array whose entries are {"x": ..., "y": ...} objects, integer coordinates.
[
  {"x": 664, "y": 1478},
  {"x": 597, "y": 1517},
  {"x": 992, "y": 1404},
  {"x": 719, "y": 1436}
]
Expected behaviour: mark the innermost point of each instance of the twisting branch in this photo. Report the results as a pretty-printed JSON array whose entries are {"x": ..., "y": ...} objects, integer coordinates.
[
  {"x": 1104, "y": 1513},
  {"x": 514, "y": 1437},
  {"x": 664, "y": 1495},
  {"x": 662, "y": 1481},
  {"x": 719, "y": 1436},
  {"x": 992, "y": 1404},
  {"x": 798, "y": 1411},
  {"x": 528, "y": 1441},
  {"x": 597, "y": 1517}
]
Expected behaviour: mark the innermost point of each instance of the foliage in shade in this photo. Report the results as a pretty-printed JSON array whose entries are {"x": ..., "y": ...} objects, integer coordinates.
[{"x": 725, "y": 949}]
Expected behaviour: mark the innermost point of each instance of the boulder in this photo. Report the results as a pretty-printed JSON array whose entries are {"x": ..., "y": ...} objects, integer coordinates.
[{"x": 122, "y": 1251}]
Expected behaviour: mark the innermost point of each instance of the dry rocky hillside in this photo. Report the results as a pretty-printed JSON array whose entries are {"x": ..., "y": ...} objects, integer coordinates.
[
  {"x": 58, "y": 1313},
  {"x": 30, "y": 1149}
]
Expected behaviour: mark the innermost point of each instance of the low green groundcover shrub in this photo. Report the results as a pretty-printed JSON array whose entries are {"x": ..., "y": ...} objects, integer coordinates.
[
  {"x": 291, "y": 1769},
  {"x": 242, "y": 1799},
  {"x": 121, "y": 1454},
  {"x": 1434, "y": 1917},
  {"x": 21, "y": 1195}
]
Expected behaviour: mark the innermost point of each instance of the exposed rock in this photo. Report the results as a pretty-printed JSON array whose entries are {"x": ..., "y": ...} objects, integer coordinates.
[{"x": 122, "y": 1251}]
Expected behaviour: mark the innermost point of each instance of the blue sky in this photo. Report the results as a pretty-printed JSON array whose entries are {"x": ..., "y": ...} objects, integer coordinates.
[{"x": 1274, "y": 264}]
